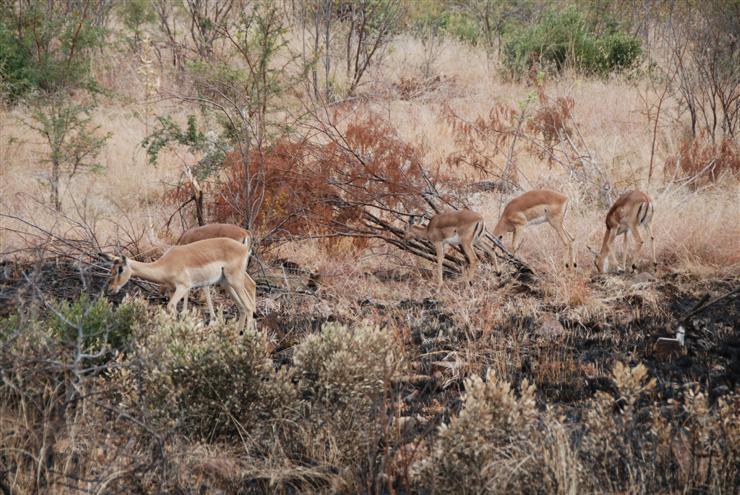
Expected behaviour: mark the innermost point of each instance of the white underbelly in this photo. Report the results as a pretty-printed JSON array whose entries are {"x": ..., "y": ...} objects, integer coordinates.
[
  {"x": 537, "y": 220},
  {"x": 209, "y": 274},
  {"x": 454, "y": 240}
]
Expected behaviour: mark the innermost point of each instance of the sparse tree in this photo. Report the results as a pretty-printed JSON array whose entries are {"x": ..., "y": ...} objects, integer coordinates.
[
  {"x": 240, "y": 98},
  {"x": 57, "y": 39},
  {"x": 706, "y": 59}
]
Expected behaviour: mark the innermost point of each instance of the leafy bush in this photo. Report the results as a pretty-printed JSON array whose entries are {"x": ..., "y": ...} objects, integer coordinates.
[
  {"x": 207, "y": 382},
  {"x": 630, "y": 441},
  {"x": 446, "y": 22},
  {"x": 495, "y": 445},
  {"x": 565, "y": 38},
  {"x": 345, "y": 377},
  {"x": 46, "y": 48},
  {"x": 96, "y": 322},
  {"x": 17, "y": 75}
]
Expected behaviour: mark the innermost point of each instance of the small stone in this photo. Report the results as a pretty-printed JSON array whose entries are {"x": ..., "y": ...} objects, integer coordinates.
[
  {"x": 550, "y": 327},
  {"x": 643, "y": 279}
]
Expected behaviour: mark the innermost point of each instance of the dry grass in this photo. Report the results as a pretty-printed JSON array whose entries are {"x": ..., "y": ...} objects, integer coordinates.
[{"x": 394, "y": 400}]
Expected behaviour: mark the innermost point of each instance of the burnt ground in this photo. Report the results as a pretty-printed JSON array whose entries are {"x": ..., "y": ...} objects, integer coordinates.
[{"x": 434, "y": 336}]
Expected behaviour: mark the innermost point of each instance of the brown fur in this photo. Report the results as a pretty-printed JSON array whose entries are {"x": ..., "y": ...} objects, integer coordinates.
[
  {"x": 201, "y": 263},
  {"x": 211, "y": 231},
  {"x": 463, "y": 226},
  {"x": 631, "y": 210},
  {"x": 543, "y": 205}
]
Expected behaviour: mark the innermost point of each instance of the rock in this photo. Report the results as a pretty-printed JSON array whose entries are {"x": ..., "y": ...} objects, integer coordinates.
[
  {"x": 550, "y": 327},
  {"x": 405, "y": 425},
  {"x": 643, "y": 279}
]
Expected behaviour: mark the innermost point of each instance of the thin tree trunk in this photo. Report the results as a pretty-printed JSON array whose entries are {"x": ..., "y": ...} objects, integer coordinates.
[{"x": 55, "y": 186}]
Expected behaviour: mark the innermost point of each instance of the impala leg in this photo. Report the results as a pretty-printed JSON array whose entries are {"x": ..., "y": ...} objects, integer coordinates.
[
  {"x": 612, "y": 253},
  {"x": 243, "y": 290},
  {"x": 209, "y": 302},
  {"x": 625, "y": 249},
  {"x": 185, "y": 302},
  {"x": 239, "y": 300},
  {"x": 250, "y": 289},
  {"x": 567, "y": 240},
  {"x": 470, "y": 253},
  {"x": 652, "y": 243},
  {"x": 179, "y": 293},
  {"x": 638, "y": 245},
  {"x": 440, "y": 249}
]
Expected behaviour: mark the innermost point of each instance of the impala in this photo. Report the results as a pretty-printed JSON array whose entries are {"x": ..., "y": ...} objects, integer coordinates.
[
  {"x": 461, "y": 227},
  {"x": 632, "y": 210},
  {"x": 211, "y": 231},
  {"x": 532, "y": 208},
  {"x": 200, "y": 264}
]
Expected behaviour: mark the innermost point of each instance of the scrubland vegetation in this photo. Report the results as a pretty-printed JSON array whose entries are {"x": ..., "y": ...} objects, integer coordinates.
[{"x": 320, "y": 125}]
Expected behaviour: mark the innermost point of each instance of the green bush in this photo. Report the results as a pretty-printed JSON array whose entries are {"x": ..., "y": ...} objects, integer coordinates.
[
  {"x": 345, "y": 377},
  {"x": 45, "y": 48},
  {"x": 566, "y": 39},
  {"x": 450, "y": 23},
  {"x": 17, "y": 74},
  {"x": 99, "y": 322},
  {"x": 209, "y": 382}
]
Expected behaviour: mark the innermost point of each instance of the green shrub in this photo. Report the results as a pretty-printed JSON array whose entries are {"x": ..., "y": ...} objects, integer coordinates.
[
  {"x": 17, "y": 74},
  {"x": 99, "y": 322},
  {"x": 565, "y": 39},
  {"x": 345, "y": 377},
  {"x": 46, "y": 48},
  {"x": 454, "y": 24},
  {"x": 209, "y": 382},
  {"x": 488, "y": 447}
]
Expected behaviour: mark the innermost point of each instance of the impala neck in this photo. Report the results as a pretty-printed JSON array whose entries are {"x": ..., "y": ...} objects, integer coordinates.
[{"x": 152, "y": 272}]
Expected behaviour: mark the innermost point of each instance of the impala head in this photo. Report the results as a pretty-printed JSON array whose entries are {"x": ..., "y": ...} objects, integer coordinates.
[
  {"x": 120, "y": 273},
  {"x": 499, "y": 230},
  {"x": 412, "y": 229},
  {"x": 601, "y": 261}
]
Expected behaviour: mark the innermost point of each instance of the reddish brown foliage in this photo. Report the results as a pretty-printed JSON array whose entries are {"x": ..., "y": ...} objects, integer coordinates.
[
  {"x": 703, "y": 161},
  {"x": 305, "y": 188},
  {"x": 483, "y": 142},
  {"x": 551, "y": 121}
]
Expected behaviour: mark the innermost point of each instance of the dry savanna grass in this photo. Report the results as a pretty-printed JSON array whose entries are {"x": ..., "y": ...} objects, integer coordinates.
[{"x": 362, "y": 377}]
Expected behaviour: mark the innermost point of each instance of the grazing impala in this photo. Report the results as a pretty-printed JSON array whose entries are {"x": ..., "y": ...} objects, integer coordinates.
[
  {"x": 200, "y": 264},
  {"x": 461, "y": 227},
  {"x": 211, "y": 231},
  {"x": 532, "y": 208},
  {"x": 631, "y": 210}
]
